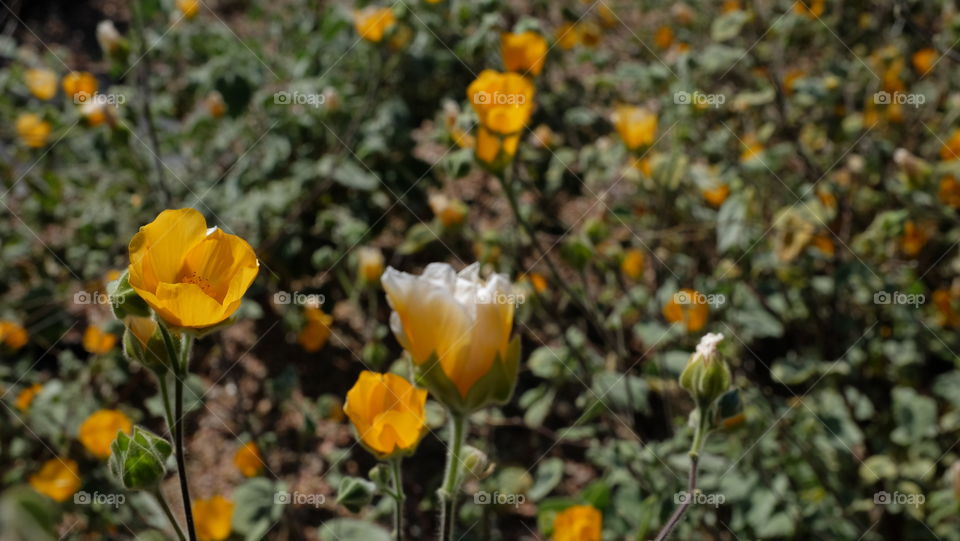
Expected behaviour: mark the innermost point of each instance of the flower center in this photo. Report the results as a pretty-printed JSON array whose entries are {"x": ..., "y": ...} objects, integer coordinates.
[{"x": 200, "y": 281}]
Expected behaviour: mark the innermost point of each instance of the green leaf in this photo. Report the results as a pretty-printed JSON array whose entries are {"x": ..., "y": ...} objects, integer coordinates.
[
  {"x": 348, "y": 529},
  {"x": 548, "y": 476},
  {"x": 728, "y": 25},
  {"x": 255, "y": 509}
]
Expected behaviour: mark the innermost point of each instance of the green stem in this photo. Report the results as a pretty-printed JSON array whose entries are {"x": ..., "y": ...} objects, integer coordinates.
[
  {"x": 399, "y": 497},
  {"x": 158, "y": 494},
  {"x": 451, "y": 482},
  {"x": 165, "y": 396},
  {"x": 699, "y": 436},
  {"x": 182, "y": 355}
]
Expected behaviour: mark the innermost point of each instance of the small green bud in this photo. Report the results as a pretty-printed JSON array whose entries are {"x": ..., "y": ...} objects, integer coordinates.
[
  {"x": 476, "y": 463},
  {"x": 354, "y": 493},
  {"x": 706, "y": 375},
  {"x": 139, "y": 461},
  {"x": 143, "y": 342},
  {"x": 380, "y": 475}
]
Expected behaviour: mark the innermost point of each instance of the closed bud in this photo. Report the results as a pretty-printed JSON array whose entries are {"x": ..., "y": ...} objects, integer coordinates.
[
  {"x": 707, "y": 375},
  {"x": 476, "y": 463},
  {"x": 139, "y": 461},
  {"x": 380, "y": 475},
  {"x": 143, "y": 342},
  {"x": 354, "y": 493}
]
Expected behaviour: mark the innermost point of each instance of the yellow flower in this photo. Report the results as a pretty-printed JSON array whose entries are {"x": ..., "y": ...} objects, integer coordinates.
[
  {"x": 730, "y": 5},
  {"x": 448, "y": 210},
  {"x": 951, "y": 149},
  {"x": 753, "y": 148},
  {"x": 463, "y": 321},
  {"x": 523, "y": 53},
  {"x": 26, "y": 396},
  {"x": 215, "y": 104},
  {"x": 13, "y": 335},
  {"x": 717, "y": 195},
  {"x": 949, "y": 192},
  {"x": 191, "y": 276},
  {"x": 578, "y": 523},
  {"x": 689, "y": 307},
  {"x": 58, "y": 479},
  {"x": 637, "y": 126},
  {"x": 370, "y": 264},
  {"x": 663, "y": 38},
  {"x": 33, "y": 130},
  {"x": 247, "y": 459},
  {"x": 213, "y": 518},
  {"x": 189, "y": 8},
  {"x": 98, "y": 342},
  {"x": 567, "y": 36},
  {"x": 42, "y": 83},
  {"x": 632, "y": 264},
  {"x": 809, "y": 8},
  {"x": 79, "y": 85},
  {"x": 913, "y": 240},
  {"x": 373, "y": 22},
  {"x": 537, "y": 280},
  {"x": 388, "y": 413},
  {"x": 96, "y": 113},
  {"x": 316, "y": 332},
  {"x": 112, "y": 274},
  {"x": 100, "y": 429},
  {"x": 924, "y": 60}
]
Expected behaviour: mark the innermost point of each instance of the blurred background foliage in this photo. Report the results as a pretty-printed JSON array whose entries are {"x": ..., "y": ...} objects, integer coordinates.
[{"x": 819, "y": 220}]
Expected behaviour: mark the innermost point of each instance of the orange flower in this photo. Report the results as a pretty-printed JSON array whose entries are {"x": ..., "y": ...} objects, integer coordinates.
[
  {"x": 387, "y": 412},
  {"x": 949, "y": 192},
  {"x": 213, "y": 518},
  {"x": 316, "y": 332},
  {"x": 689, "y": 307},
  {"x": 578, "y": 523},
  {"x": 924, "y": 60},
  {"x": 943, "y": 300},
  {"x": 504, "y": 103},
  {"x": 58, "y": 479},
  {"x": 663, "y": 38},
  {"x": 524, "y": 52},
  {"x": 247, "y": 459},
  {"x": 373, "y": 22},
  {"x": 13, "y": 335},
  {"x": 824, "y": 243},
  {"x": 913, "y": 240},
  {"x": 951, "y": 149},
  {"x": 189, "y": 8},
  {"x": 100, "y": 429},
  {"x": 567, "y": 36},
  {"x": 26, "y": 396},
  {"x": 450, "y": 211},
  {"x": 637, "y": 126},
  {"x": 717, "y": 195},
  {"x": 98, "y": 342},
  {"x": 632, "y": 264},
  {"x": 79, "y": 86},
  {"x": 753, "y": 148},
  {"x": 537, "y": 280},
  {"x": 809, "y": 8}
]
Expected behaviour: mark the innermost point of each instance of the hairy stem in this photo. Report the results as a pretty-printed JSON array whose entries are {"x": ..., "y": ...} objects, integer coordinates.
[
  {"x": 451, "y": 483},
  {"x": 399, "y": 497},
  {"x": 158, "y": 494}
]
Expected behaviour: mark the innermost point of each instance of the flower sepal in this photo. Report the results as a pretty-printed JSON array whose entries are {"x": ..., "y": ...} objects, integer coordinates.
[
  {"x": 493, "y": 388},
  {"x": 143, "y": 342},
  {"x": 124, "y": 301}
]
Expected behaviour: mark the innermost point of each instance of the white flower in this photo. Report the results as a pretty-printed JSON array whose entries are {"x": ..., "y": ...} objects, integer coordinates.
[{"x": 108, "y": 36}]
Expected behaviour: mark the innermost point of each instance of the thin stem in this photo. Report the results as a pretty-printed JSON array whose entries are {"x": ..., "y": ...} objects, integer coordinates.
[
  {"x": 158, "y": 494},
  {"x": 399, "y": 497},
  {"x": 451, "y": 482},
  {"x": 181, "y": 462},
  {"x": 699, "y": 437},
  {"x": 165, "y": 396}
]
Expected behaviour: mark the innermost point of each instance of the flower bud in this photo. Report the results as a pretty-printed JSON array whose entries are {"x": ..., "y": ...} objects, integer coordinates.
[
  {"x": 380, "y": 475},
  {"x": 707, "y": 375},
  {"x": 355, "y": 493},
  {"x": 139, "y": 461},
  {"x": 143, "y": 342},
  {"x": 476, "y": 463},
  {"x": 124, "y": 300}
]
